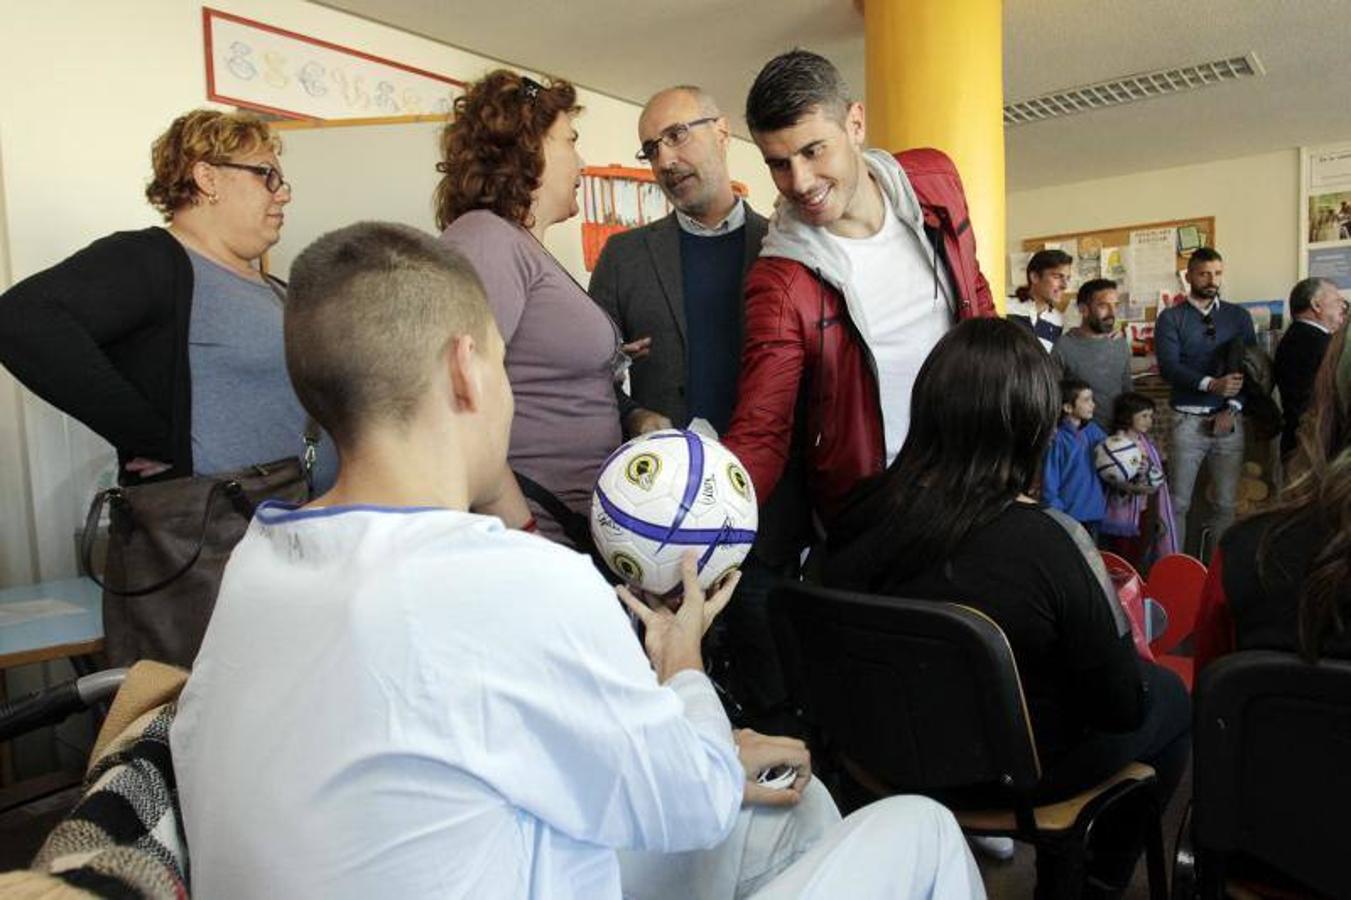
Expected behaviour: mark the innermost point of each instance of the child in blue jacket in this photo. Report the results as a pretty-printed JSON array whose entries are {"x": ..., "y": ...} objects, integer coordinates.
[{"x": 1069, "y": 481}]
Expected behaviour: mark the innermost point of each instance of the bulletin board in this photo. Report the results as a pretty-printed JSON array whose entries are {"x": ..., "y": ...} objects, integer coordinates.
[{"x": 1162, "y": 247}]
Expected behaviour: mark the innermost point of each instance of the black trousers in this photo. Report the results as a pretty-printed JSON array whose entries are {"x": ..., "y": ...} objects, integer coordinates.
[
  {"x": 1163, "y": 741},
  {"x": 745, "y": 659}
]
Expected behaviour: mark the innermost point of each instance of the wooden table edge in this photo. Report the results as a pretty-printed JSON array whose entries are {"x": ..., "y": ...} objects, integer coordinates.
[{"x": 56, "y": 651}]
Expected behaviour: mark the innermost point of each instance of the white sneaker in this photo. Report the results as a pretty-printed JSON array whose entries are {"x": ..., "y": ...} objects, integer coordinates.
[{"x": 993, "y": 847}]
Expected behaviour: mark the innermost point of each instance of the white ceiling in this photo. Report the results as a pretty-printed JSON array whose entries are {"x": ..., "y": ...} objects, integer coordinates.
[{"x": 632, "y": 49}]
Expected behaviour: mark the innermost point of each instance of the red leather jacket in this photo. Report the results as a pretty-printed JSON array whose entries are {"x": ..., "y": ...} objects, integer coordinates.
[{"x": 803, "y": 355}]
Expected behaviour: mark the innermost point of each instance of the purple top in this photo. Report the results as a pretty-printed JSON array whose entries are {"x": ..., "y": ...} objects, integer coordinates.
[{"x": 560, "y": 349}]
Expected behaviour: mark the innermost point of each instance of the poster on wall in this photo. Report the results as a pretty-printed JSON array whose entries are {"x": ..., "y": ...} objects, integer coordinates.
[
  {"x": 1325, "y": 214},
  {"x": 259, "y": 66}
]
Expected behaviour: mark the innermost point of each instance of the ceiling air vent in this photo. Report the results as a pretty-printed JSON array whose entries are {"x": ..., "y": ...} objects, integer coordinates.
[{"x": 1131, "y": 88}]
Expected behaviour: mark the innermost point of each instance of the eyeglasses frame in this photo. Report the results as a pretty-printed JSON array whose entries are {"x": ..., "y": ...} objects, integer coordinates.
[
  {"x": 673, "y": 135},
  {"x": 267, "y": 173}
]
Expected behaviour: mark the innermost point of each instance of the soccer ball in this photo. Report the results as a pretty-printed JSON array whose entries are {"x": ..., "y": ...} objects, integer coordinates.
[
  {"x": 1118, "y": 459},
  {"x": 667, "y": 492}
]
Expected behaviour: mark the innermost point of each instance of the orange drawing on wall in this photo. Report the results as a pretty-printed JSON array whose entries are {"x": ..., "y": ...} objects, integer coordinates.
[{"x": 617, "y": 198}]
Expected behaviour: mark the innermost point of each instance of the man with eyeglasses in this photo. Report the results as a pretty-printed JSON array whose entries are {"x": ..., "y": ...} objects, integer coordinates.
[
  {"x": 674, "y": 287},
  {"x": 1199, "y": 344}
]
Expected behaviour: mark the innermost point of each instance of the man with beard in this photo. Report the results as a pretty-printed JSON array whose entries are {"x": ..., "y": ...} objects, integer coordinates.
[
  {"x": 1199, "y": 344},
  {"x": 674, "y": 288},
  {"x": 1093, "y": 354}
]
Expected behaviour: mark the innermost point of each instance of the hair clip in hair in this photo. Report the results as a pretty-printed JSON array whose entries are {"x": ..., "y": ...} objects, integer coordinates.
[{"x": 530, "y": 88}]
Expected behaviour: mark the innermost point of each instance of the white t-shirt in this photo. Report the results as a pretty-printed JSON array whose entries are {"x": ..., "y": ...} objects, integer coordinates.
[
  {"x": 904, "y": 310},
  {"x": 416, "y": 703}
]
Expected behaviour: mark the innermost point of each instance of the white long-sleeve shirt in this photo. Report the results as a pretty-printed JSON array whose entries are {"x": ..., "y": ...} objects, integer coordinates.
[{"x": 412, "y": 703}]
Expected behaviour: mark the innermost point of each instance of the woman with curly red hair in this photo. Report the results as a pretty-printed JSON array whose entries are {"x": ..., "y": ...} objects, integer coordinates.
[
  {"x": 167, "y": 342},
  {"x": 511, "y": 170}
]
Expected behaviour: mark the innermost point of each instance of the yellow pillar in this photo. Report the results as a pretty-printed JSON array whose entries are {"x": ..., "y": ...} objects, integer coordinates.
[{"x": 935, "y": 78}]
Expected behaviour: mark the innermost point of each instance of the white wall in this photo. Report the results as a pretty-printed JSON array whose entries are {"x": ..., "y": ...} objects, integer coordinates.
[
  {"x": 86, "y": 87},
  {"x": 1254, "y": 199}
]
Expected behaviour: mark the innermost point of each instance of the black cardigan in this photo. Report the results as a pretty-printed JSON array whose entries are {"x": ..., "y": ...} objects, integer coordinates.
[{"x": 103, "y": 336}]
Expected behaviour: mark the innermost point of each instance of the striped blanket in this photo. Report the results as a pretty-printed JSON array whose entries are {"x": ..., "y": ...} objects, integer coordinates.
[{"x": 125, "y": 836}]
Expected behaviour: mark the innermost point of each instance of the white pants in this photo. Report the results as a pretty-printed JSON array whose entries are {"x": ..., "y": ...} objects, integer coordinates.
[{"x": 900, "y": 847}]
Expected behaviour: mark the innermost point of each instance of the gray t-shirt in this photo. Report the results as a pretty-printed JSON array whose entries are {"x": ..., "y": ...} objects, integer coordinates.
[
  {"x": 243, "y": 408},
  {"x": 560, "y": 360},
  {"x": 1104, "y": 363}
]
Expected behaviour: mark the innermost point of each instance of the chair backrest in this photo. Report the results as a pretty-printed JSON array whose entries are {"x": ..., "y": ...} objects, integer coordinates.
[
  {"x": 1176, "y": 581},
  {"x": 1273, "y": 763},
  {"x": 1118, "y": 566},
  {"x": 921, "y": 694}
]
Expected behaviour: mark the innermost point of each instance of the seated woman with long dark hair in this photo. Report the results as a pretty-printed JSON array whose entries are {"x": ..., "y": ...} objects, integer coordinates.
[
  {"x": 952, "y": 519},
  {"x": 1281, "y": 580}
]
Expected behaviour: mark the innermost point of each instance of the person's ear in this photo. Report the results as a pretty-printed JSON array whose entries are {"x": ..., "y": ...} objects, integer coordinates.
[
  {"x": 855, "y": 124},
  {"x": 207, "y": 179},
  {"x": 466, "y": 373}
]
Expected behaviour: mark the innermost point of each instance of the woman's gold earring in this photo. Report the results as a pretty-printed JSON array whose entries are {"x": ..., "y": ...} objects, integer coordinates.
[{"x": 212, "y": 198}]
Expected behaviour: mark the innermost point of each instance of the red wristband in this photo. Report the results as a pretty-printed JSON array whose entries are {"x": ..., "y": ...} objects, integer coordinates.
[{"x": 531, "y": 525}]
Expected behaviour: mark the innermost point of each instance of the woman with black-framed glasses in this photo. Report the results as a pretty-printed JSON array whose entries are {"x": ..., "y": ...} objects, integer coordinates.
[{"x": 167, "y": 341}]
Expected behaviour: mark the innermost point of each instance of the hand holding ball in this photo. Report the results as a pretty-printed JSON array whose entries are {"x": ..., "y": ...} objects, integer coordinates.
[{"x": 667, "y": 492}]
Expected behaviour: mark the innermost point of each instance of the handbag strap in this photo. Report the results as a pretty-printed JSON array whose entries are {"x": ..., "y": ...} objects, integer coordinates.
[
  {"x": 312, "y": 430},
  {"x": 575, "y": 526},
  {"x": 233, "y": 490}
]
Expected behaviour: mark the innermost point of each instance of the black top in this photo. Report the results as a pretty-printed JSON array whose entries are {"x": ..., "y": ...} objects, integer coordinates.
[
  {"x": 103, "y": 336},
  {"x": 1032, "y": 571},
  {"x": 1264, "y": 602},
  {"x": 1298, "y": 356},
  {"x": 710, "y": 269}
]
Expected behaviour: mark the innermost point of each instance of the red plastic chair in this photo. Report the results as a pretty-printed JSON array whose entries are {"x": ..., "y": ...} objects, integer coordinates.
[
  {"x": 1175, "y": 583},
  {"x": 1131, "y": 592}
]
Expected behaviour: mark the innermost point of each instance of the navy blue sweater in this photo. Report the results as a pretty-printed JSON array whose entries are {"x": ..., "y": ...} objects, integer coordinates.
[
  {"x": 710, "y": 271},
  {"x": 1187, "y": 353}
]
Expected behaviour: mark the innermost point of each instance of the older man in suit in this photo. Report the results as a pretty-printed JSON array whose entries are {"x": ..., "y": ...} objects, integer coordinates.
[
  {"x": 675, "y": 288},
  {"x": 1318, "y": 310}
]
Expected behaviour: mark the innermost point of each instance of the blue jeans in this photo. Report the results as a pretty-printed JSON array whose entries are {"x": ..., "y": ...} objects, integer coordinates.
[{"x": 1192, "y": 444}]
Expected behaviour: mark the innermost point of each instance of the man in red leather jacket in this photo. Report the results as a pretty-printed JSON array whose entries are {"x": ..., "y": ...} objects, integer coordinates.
[{"x": 869, "y": 259}]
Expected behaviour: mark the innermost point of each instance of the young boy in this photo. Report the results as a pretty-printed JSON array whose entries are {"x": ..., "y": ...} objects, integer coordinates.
[
  {"x": 399, "y": 697},
  {"x": 1069, "y": 481}
]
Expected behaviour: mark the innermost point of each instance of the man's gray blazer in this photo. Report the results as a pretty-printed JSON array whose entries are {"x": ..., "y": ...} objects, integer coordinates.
[{"x": 637, "y": 281}]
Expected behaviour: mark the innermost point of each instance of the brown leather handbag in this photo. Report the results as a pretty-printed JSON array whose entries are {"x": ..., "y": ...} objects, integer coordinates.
[{"x": 168, "y": 542}]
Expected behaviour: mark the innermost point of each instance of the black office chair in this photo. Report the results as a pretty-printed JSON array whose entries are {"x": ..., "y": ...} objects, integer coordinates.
[
  {"x": 1272, "y": 770},
  {"x": 923, "y": 697}
]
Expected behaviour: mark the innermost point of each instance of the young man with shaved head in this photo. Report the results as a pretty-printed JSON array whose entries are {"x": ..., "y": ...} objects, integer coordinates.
[
  {"x": 399, "y": 697},
  {"x": 868, "y": 261},
  {"x": 675, "y": 287}
]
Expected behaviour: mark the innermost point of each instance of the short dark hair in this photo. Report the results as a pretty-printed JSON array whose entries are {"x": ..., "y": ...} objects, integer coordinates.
[
  {"x": 1128, "y": 405},
  {"x": 1048, "y": 259},
  {"x": 1071, "y": 388},
  {"x": 1204, "y": 255},
  {"x": 1094, "y": 286},
  {"x": 369, "y": 309},
  {"x": 1302, "y": 294},
  {"x": 790, "y": 86}
]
